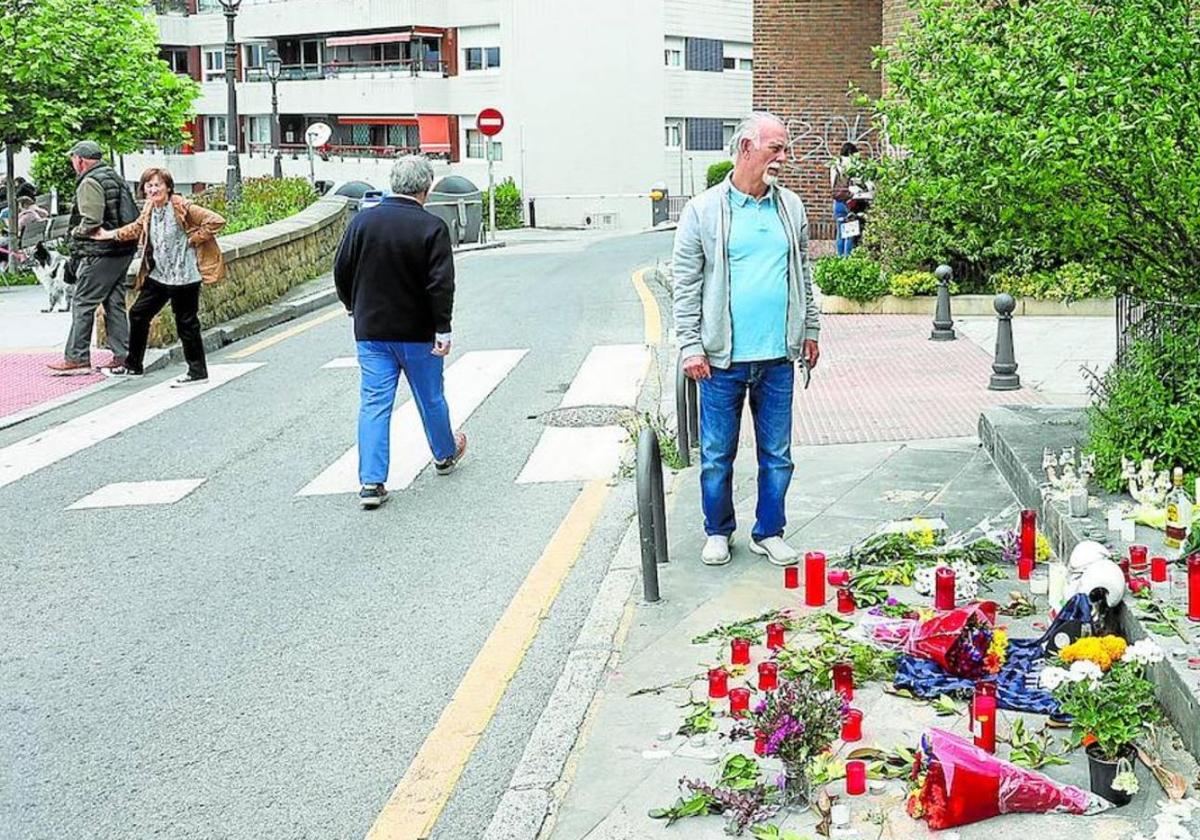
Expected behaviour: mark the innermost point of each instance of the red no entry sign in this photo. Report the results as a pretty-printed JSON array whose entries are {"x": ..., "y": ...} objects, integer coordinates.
[{"x": 489, "y": 122}]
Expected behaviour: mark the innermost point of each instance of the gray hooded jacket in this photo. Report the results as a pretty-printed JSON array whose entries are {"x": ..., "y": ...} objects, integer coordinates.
[{"x": 703, "y": 324}]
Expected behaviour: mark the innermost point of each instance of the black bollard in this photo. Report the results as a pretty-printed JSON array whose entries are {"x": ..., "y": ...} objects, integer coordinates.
[
  {"x": 943, "y": 324},
  {"x": 1004, "y": 376},
  {"x": 652, "y": 517}
]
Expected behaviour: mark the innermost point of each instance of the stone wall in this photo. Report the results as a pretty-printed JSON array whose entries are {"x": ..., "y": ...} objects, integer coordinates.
[{"x": 263, "y": 264}]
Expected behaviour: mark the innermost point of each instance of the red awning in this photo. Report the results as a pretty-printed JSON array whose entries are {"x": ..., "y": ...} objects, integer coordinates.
[
  {"x": 435, "y": 133},
  {"x": 379, "y": 38},
  {"x": 393, "y": 120}
]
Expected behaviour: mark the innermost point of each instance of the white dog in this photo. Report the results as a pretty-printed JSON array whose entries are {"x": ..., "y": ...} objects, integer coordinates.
[{"x": 50, "y": 268}]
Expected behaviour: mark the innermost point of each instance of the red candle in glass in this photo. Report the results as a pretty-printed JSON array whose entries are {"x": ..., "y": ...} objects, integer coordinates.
[
  {"x": 843, "y": 680},
  {"x": 856, "y": 777},
  {"x": 1123, "y": 563},
  {"x": 814, "y": 579},
  {"x": 943, "y": 592},
  {"x": 852, "y": 725},
  {"x": 791, "y": 577},
  {"x": 838, "y": 577},
  {"x": 1193, "y": 573},
  {"x": 984, "y": 728},
  {"x": 718, "y": 683},
  {"x": 774, "y": 635},
  {"x": 760, "y": 743},
  {"x": 1158, "y": 569},
  {"x": 1028, "y": 535},
  {"x": 1138, "y": 564},
  {"x": 739, "y": 701},
  {"x": 845, "y": 600},
  {"x": 768, "y": 676},
  {"x": 990, "y": 611},
  {"x": 740, "y": 651},
  {"x": 1024, "y": 568},
  {"x": 982, "y": 687}
]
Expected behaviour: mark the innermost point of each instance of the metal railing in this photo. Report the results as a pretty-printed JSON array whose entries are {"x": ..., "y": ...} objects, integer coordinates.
[
  {"x": 1150, "y": 321},
  {"x": 687, "y": 413},
  {"x": 334, "y": 69},
  {"x": 675, "y": 205},
  {"x": 652, "y": 511}
]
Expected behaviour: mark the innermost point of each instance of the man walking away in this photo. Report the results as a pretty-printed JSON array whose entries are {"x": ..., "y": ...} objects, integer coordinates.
[
  {"x": 102, "y": 202},
  {"x": 394, "y": 272},
  {"x": 744, "y": 312}
]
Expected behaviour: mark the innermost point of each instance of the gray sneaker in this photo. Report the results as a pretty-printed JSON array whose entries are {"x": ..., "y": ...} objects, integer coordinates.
[
  {"x": 775, "y": 550},
  {"x": 372, "y": 496},
  {"x": 715, "y": 551}
]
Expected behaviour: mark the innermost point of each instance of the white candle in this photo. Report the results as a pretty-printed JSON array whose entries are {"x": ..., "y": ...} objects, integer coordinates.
[
  {"x": 1114, "y": 519},
  {"x": 1058, "y": 584},
  {"x": 1128, "y": 530}
]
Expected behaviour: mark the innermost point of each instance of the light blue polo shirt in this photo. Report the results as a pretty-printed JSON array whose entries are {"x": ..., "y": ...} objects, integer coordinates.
[{"x": 758, "y": 278}]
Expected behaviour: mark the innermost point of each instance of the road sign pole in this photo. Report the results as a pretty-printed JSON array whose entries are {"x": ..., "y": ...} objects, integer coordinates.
[{"x": 491, "y": 190}]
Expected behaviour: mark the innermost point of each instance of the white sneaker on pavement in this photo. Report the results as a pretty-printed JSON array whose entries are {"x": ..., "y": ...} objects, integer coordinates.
[
  {"x": 716, "y": 551},
  {"x": 775, "y": 550}
]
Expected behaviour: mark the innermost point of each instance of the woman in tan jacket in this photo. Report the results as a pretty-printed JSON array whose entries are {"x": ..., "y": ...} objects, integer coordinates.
[{"x": 179, "y": 253}]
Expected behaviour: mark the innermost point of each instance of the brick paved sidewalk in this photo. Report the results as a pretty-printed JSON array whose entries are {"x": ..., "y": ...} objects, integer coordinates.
[{"x": 26, "y": 382}]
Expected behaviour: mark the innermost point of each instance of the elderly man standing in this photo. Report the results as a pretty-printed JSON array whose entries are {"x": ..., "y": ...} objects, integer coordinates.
[
  {"x": 394, "y": 272},
  {"x": 102, "y": 202},
  {"x": 744, "y": 313}
]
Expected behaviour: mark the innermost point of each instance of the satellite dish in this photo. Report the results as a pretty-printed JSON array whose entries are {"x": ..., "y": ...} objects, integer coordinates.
[{"x": 318, "y": 134}]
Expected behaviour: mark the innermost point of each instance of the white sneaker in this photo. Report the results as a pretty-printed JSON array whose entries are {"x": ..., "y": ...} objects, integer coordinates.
[
  {"x": 775, "y": 550},
  {"x": 716, "y": 551}
]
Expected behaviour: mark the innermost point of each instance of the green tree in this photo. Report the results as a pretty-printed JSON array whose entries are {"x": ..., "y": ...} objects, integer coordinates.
[
  {"x": 1036, "y": 132},
  {"x": 717, "y": 172},
  {"x": 73, "y": 69}
]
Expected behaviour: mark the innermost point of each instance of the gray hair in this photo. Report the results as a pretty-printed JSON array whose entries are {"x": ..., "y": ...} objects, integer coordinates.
[
  {"x": 412, "y": 175},
  {"x": 751, "y": 129}
]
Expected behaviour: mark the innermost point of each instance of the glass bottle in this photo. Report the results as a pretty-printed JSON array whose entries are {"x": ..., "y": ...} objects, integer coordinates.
[{"x": 1179, "y": 512}]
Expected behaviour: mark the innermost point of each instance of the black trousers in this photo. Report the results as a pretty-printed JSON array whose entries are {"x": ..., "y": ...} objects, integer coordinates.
[{"x": 185, "y": 304}]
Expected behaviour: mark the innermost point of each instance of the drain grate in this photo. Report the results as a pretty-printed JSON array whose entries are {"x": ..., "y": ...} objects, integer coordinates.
[{"x": 583, "y": 416}]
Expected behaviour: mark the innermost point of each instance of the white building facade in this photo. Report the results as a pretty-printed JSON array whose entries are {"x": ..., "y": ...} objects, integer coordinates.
[{"x": 601, "y": 102}]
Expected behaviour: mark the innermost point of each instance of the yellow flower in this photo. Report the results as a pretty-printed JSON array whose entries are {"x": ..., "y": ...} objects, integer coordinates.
[
  {"x": 921, "y": 535},
  {"x": 1102, "y": 650},
  {"x": 1042, "y": 553}
]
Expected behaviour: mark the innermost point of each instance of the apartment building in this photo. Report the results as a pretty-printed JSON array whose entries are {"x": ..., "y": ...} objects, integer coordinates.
[{"x": 601, "y": 101}]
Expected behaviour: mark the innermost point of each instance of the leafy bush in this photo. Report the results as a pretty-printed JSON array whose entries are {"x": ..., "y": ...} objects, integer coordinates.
[
  {"x": 717, "y": 172},
  {"x": 51, "y": 169},
  {"x": 909, "y": 283},
  {"x": 508, "y": 205},
  {"x": 1071, "y": 281},
  {"x": 264, "y": 200},
  {"x": 856, "y": 277},
  {"x": 1148, "y": 406}
]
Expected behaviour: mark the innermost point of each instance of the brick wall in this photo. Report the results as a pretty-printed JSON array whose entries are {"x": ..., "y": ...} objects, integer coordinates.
[
  {"x": 896, "y": 13},
  {"x": 806, "y": 54}
]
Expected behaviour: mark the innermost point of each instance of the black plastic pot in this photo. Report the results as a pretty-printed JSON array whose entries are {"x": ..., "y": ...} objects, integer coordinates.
[{"x": 1103, "y": 772}]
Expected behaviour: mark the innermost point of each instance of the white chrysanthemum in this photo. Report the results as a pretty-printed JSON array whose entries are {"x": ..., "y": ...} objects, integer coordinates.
[
  {"x": 1145, "y": 652},
  {"x": 1053, "y": 677},
  {"x": 1084, "y": 669}
]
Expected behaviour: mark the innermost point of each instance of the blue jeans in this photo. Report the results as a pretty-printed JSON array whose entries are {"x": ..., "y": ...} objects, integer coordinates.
[
  {"x": 770, "y": 386},
  {"x": 382, "y": 363},
  {"x": 844, "y": 246}
]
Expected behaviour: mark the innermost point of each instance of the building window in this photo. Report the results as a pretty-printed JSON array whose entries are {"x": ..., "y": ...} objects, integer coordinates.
[
  {"x": 673, "y": 134},
  {"x": 705, "y": 54},
  {"x": 260, "y": 131},
  {"x": 673, "y": 58},
  {"x": 746, "y": 64},
  {"x": 214, "y": 64},
  {"x": 176, "y": 59},
  {"x": 727, "y": 131},
  {"x": 254, "y": 59},
  {"x": 728, "y": 63},
  {"x": 482, "y": 58},
  {"x": 215, "y": 137},
  {"x": 477, "y": 146},
  {"x": 704, "y": 134}
]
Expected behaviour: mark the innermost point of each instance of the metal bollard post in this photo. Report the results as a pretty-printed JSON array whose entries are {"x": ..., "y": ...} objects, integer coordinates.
[
  {"x": 682, "y": 420},
  {"x": 943, "y": 324},
  {"x": 1004, "y": 376},
  {"x": 652, "y": 511}
]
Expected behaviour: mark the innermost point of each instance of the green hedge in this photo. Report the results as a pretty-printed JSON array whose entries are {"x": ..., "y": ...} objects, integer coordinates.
[
  {"x": 857, "y": 277},
  {"x": 718, "y": 172},
  {"x": 508, "y": 205},
  {"x": 264, "y": 200}
]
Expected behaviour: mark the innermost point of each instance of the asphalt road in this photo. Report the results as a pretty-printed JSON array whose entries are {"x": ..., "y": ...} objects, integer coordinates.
[{"x": 249, "y": 663}]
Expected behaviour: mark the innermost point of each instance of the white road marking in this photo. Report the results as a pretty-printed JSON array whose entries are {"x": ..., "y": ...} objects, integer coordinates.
[
  {"x": 469, "y": 381},
  {"x": 340, "y": 362},
  {"x": 566, "y": 454},
  {"x": 612, "y": 374},
  {"x": 138, "y": 493},
  {"x": 27, "y": 456}
]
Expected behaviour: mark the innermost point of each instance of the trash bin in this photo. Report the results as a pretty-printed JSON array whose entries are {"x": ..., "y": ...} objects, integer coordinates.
[{"x": 459, "y": 203}]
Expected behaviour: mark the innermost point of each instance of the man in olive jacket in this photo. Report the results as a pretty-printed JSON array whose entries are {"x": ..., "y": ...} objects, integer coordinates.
[{"x": 102, "y": 202}]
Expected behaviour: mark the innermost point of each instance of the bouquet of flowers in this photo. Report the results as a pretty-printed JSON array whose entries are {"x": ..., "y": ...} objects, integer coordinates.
[
  {"x": 962, "y": 642},
  {"x": 799, "y": 721},
  {"x": 955, "y": 783}
]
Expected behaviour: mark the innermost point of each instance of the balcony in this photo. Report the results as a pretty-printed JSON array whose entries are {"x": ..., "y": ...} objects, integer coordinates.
[{"x": 427, "y": 68}]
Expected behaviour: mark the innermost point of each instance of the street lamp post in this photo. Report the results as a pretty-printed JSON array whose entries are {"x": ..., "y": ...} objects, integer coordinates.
[
  {"x": 274, "y": 67},
  {"x": 233, "y": 169}
]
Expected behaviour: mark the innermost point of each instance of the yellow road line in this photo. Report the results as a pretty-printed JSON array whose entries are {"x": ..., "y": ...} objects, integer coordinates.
[
  {"x": 652, "y": 317},
  {"x": 421, "y": 795},
  {"x": 336, "y": 312}
]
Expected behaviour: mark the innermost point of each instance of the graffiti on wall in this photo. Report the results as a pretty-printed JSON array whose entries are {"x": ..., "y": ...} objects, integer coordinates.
[{"x": 813, "y": 138}]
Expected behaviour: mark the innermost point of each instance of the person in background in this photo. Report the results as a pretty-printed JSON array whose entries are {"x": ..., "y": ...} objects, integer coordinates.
[
  {"x": 394, "y": 273},
  {"x": 103, "y": 202},
  {"x": 27, "y": 213},
  {"x": 179, "y": 253},
  {"x": 841, "y": 184},
  {"x": 744, "y": 313}
]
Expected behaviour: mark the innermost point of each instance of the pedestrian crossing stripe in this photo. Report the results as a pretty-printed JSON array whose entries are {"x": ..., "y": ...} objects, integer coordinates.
[
  {"x": 57, "y": 443},
  {"x": 138, "y": 494},
  {"x": 468, "y": 382}
]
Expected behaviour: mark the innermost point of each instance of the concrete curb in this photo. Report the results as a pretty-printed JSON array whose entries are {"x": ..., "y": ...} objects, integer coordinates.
[
  {"x": 1015, "y": 439},
  {"x": 529, "y": 799},
  {"x": 966, "y": 305}
]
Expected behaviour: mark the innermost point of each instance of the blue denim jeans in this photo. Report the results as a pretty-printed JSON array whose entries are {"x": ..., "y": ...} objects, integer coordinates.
[
  {"x": 382, "y": 362},
  {"x": 769, "y": 385},
  {"x": 843, "y": 246}
]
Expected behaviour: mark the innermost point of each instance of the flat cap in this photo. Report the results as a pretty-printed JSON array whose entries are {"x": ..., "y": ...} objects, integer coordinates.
[{"x": 87, "y": 149}]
